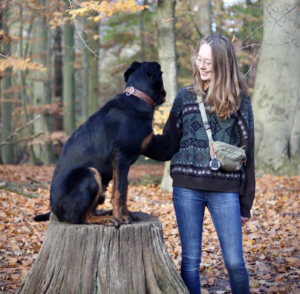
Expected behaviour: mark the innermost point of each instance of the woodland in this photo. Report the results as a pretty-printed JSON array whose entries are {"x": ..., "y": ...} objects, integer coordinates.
[{"x": 61, "y": 60}]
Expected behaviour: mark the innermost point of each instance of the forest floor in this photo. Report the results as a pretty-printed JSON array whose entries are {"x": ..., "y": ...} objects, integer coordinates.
[{"x": 271, "y": 238}]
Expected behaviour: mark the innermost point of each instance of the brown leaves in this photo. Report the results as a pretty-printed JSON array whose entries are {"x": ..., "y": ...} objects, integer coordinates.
[{"x": 271, "y": 238}]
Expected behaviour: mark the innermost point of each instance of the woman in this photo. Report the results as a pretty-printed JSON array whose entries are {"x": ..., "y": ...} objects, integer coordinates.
[{"x": 228, "y": 195}]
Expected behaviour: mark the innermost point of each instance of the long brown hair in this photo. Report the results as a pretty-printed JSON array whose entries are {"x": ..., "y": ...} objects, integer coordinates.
[{"x": 223, "y": 96}]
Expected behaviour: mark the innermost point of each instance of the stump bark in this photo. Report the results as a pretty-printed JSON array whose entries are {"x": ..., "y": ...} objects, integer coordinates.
[{"x": 98, "y": 259}]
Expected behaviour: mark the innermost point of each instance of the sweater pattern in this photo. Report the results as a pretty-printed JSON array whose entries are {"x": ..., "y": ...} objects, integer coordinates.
[{"x": 193, "y": 156}]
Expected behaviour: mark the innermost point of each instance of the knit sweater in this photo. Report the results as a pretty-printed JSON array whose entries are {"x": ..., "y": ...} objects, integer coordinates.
[{"x": 184, "y": 141}]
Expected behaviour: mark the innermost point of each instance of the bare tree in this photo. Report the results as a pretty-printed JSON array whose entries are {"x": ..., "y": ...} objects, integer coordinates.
[
  {"x": 167, "y": 58},
  {"x": 68, "y": 77},
  {"x": 277, "y": 92},
  {"x": 6, "y": 84}
]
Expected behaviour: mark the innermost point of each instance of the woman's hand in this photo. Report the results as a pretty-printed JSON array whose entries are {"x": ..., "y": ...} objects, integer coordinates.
[{"x": 244, "y": 220}]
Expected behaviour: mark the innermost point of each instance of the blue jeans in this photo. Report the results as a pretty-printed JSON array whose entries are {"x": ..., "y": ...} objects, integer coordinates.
[{"x": 225, "y": 212}]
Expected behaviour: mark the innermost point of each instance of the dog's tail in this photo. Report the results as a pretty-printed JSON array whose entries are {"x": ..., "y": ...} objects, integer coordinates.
[{"x": 42, "y": 217}]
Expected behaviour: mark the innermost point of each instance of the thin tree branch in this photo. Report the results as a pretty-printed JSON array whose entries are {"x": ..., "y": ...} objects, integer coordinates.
[
  {"x": 21, "y": 140},
  {"x": 80, "y": 36},
  {"x": 29, "y": 6},
  {"x": 21, "y": 128},
  {"x": 269, "y": 34}
]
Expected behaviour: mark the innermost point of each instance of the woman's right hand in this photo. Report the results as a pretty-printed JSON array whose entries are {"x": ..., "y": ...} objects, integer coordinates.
[{"x": 244, "y": 220}]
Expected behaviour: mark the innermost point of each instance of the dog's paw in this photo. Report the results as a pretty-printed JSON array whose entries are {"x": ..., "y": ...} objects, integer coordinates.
[
  {"x": 105, "y": 220},
  {"x": 126, "y": 219},
  {"x": 112, "y": 222}
]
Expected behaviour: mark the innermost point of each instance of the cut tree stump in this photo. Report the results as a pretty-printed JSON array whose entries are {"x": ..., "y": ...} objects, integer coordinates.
[{"x": 88, "y": 259}]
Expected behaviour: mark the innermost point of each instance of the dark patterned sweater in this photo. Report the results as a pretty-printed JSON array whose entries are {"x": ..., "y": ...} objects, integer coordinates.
[{"x": 185, "y": 142}]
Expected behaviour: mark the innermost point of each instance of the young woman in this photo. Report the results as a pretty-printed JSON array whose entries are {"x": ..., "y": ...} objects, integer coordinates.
[{"x": 228, "y": 195}]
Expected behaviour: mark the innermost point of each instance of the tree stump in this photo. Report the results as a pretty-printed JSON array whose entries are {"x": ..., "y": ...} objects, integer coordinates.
[{"x": 98, "y": 259}]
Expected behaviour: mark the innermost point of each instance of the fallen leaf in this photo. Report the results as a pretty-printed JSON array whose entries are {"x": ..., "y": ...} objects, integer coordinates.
[
  {"x": 281, "y": 269},
  {"x": 211, "y": 280}
]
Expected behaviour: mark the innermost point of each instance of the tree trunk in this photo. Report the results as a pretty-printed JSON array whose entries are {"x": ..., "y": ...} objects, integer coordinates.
[
  {"x": 98, "y": 259},
  {"x": 85, "y": 62},
  {"x": 276, "y": 95},
  {"x": 205, "y": 18},
  {"x": 48, "y": 96},
  {"x": 93, "y": 43},
  {"x": 68, "y": 78},
  {"x": 219, "y": 10},
  {"x": 58, "y": 78},
  {"x": 142, "y": 31},
  {"x": 28, "y": 131},
  {"x": 6, "y": 85},
  {"x": 167, "y": 58},
  {"x": 39, "y": 89}
]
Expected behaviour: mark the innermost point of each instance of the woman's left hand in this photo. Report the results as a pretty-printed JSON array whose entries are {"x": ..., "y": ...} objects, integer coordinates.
[{"x": 244, "y": 220}]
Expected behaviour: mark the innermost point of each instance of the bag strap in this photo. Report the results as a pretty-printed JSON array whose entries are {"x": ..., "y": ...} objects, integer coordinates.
[{"x": 205, "y": 120}]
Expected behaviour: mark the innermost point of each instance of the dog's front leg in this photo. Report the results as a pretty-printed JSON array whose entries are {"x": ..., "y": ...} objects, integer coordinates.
[
  {"x": 124, "y": 202},
  {"x": 119, "y": 191}
]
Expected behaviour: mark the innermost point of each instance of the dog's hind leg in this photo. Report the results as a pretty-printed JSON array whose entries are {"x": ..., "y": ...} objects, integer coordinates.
[
  {"x": 103, "y": 219},
  {"x": 119, "y": 191}
]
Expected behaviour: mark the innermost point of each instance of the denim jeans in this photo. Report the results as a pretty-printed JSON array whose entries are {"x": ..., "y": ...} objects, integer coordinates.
[{"x": 225, "y": 212}]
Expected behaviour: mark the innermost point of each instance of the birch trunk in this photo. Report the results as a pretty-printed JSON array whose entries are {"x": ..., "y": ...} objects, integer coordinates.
[
  {"x": 276, "y": 99},
  {"x": 167, "y": 59}
]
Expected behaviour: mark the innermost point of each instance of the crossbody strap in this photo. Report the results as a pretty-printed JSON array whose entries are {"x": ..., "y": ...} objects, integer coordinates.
[{"x": 205, "y": 120}]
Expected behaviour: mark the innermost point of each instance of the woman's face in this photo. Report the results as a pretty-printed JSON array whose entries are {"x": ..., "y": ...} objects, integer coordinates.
[{"x": 204, "y": 62}]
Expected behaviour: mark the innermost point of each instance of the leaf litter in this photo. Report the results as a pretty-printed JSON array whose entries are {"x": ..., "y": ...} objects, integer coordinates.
[{"x": 271, "y": 239}]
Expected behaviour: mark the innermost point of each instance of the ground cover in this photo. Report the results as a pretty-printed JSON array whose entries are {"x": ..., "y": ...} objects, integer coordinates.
[{"x": 271, "y": 239}]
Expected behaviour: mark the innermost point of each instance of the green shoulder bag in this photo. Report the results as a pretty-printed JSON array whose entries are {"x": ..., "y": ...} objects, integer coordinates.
[{"x": 225, "y": 156}]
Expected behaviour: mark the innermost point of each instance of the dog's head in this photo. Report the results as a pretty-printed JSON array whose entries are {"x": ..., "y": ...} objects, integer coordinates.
[{"x": 147, "y": 78}]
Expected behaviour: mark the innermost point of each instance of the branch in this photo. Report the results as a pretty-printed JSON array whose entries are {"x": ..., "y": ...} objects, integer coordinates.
[
  {"x": 21, "y": 128},
  {"x": 21, "y": 140},
  {"x": 29, "y": 6},
  {"x": 84, "y": 42},
  {"x": 40, "y": 183},
  {"x": 264, "y": 42},
  {"x": 79, "y": 34},
  {"x": 4, "y": 142},
  {"x": 18, "y": 189}
]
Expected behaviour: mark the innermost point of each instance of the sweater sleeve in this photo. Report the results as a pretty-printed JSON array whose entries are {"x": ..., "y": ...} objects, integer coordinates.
[
  {"x": 163, "y": 147},
  {"x": 246, "y": 200}
]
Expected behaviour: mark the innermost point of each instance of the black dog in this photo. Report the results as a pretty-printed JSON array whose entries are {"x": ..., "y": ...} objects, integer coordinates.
[{"x": 103, "y": 148}]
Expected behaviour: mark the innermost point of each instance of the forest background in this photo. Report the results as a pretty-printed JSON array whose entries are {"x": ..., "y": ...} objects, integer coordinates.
[{"x": 63, "y": 60}]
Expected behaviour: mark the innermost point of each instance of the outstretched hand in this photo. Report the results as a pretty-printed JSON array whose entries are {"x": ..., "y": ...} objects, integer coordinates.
[{"x": 244, "y": 220}]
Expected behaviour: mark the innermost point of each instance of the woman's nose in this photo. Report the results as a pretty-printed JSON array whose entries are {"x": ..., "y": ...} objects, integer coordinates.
[{"x": 202, "y": 65}]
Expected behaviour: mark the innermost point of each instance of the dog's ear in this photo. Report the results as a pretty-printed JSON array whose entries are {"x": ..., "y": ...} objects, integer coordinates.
[
  {"x": 153, "y": 71},
  {"x": 135, "y": 65}
]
